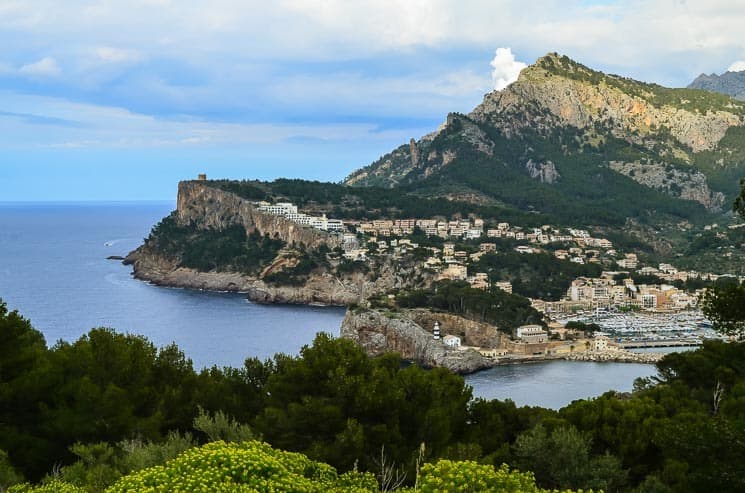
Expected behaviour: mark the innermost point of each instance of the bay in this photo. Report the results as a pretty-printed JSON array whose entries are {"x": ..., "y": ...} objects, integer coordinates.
[{"x": 53, "y": 269}]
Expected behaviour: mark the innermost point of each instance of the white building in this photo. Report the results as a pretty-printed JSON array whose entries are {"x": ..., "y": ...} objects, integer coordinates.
[
  {"x": 280, "y": 208},
  {"x": 451, "y": 341}
]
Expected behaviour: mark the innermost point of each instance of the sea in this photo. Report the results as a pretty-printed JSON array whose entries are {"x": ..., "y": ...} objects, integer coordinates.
[{"x": 54, "y": 270}]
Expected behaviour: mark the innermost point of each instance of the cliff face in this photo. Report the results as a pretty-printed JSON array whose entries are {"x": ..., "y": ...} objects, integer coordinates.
[
  {"x": 560, "y": 94},
  {"x": 471, "y": 333},
  {"x": 379, "y": 333},
  {"x": 209, "y": 207},
  {"x": 688, "y": 185},
  {"x": 322, "y": 287}
]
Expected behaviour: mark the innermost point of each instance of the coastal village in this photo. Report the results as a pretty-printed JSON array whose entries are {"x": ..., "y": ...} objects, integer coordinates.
[{"x": 636, "y": 315}]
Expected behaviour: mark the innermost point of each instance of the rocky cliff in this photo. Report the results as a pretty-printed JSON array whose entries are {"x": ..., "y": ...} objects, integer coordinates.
[
  {"x": 209, "y": 207},
  {"x": 472, "y": 333},
  {"x": 380, "y": 332},
  {"x": 565, "y": 93}
]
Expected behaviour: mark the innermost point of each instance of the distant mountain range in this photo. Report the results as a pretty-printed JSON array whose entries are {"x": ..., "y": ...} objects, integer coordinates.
[
  {"x": 729, "y": 83},
  {"x": 573, "y": 143}
]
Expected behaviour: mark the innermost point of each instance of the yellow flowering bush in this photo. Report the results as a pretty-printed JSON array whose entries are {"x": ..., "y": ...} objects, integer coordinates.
[
  {"x": 255, "y": 467},
  {"x": 242, "y": 467},
  {"x": 446, "y": 476},
  {"x": 51, "y": 487}
]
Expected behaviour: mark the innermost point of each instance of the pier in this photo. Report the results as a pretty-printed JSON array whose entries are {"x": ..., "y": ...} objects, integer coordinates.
[{"x": 659, "y": 343}]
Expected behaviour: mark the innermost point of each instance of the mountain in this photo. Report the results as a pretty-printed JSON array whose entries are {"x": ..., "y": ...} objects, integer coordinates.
[
  {"x": 729, "y": 83},
  {"x": 572, "y": 142}
]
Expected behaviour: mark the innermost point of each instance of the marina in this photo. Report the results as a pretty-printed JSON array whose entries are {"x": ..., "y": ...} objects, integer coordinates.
[{"x": 631, "y": 330}]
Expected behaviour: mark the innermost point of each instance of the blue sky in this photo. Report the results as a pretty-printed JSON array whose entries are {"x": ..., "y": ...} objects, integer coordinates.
[{"x": 118, "y": 100}]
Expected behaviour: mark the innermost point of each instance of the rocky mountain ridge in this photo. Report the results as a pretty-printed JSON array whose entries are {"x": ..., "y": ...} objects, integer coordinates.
[{"x": 558, "y": 116}]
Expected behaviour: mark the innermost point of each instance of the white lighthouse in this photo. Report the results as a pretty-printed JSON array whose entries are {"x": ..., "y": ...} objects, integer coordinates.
[{"x": 436, "y": 331}]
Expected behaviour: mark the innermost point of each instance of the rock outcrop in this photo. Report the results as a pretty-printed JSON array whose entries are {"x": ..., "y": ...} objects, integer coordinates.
[
  {"x": 566, "y": 95},
  {"x": 472, "y": 333},
  {"x": 321, "y": 287},
  {"x": 380, "y": 332},
  {"x": 687, "y": 184},
  {"x": 543, "y": 172}
]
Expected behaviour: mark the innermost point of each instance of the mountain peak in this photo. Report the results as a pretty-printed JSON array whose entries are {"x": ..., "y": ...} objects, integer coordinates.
[
  {"x": 730, "y": 83},
  {"x": 558, "y": 64}
]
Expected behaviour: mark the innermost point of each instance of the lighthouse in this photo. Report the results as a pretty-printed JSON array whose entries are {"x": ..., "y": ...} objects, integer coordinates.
[{"x": 436, "y": 331}]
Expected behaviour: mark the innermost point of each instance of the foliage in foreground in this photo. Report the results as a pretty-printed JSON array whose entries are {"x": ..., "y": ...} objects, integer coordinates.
[
  {"x": 257, "y": 467},
  {"x": 472, "y": 477},
  {"x": 83, "y": 405}
]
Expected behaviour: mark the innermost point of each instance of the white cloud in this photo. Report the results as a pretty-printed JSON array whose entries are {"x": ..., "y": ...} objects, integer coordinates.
[
  {"x": 738, "y": 66},
  {"x": 505, "y": 68},
  {"x": 46, "y": 67},
  {"x": 117, "y": 55}
]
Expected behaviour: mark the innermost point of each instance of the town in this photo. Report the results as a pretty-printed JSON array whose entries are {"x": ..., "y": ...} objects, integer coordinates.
[
  {"x": 610, "y": 290},
  {"x": 629, "y": 314}
]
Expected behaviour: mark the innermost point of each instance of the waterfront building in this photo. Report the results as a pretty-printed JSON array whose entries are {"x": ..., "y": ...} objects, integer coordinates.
[{"x": 531, "y": 334}]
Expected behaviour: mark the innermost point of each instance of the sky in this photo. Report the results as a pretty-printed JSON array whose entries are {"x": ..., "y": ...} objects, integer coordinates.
[{"x": 119, "y": 100}]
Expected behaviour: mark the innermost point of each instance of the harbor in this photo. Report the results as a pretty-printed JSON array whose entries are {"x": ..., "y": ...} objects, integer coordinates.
[{"x": 634, "y": 330}]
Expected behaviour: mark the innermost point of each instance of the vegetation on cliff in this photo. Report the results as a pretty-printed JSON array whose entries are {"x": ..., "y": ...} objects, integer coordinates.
[
  {"x": 228, "y": 249},
  {"x": 338, "y": 200},
  {"x": 305, "y": 261}
]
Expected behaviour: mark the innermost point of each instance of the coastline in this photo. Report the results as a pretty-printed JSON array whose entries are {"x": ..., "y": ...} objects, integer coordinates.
[
  {"x": 148, "y": 266},
  {"x": 328, "y": 291}
]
